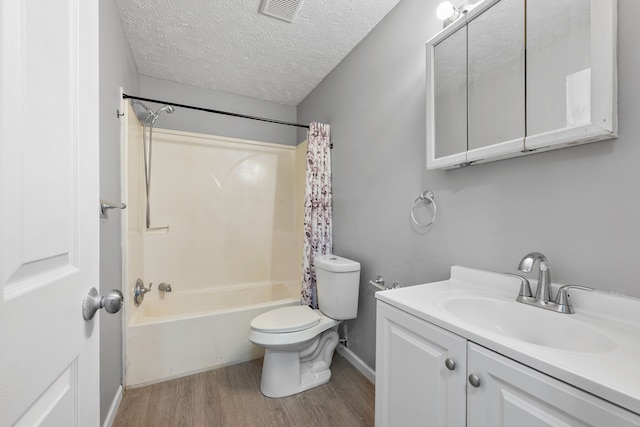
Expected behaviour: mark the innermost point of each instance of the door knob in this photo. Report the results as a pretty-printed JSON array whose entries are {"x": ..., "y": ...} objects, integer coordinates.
[{"x": 93, "y": 302}]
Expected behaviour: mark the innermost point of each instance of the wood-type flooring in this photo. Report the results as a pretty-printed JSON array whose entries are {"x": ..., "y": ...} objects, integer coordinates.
[{"x": 230, "y": 396}]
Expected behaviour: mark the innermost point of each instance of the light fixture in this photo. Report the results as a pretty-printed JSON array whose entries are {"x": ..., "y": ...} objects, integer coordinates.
[{"x": 447, "y": 12}]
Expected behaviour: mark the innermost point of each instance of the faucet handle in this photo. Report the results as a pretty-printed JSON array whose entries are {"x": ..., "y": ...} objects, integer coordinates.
[
  {"x": 139, "y": 290},
  {"x": 563, "y": 300},
  {"x": 525, "y": 287}
]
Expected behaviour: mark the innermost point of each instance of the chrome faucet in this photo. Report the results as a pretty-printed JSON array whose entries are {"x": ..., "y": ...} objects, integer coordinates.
[
  {"x": 542, "y": 298},
  {"x": 543, "y": 291},
  {"x": 164, "y": 287}
]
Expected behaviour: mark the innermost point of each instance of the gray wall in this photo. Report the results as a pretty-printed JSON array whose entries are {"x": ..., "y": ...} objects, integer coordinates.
[
  {"x": 117, "y": 69},
  {"x": 216, "y": 124},
  {"x": 579, "y": 205}
]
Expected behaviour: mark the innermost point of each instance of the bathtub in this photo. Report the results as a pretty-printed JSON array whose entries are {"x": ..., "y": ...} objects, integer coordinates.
[{"x": 184, "y": 333}]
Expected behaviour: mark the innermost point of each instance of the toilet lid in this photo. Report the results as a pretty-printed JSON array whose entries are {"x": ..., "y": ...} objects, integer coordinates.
[{"x": 286, "y": 319}]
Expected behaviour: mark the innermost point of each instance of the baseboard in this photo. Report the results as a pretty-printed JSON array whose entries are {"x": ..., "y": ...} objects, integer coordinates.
[
  {"x": 358, "y": 363},
  {"x": 113, "y": 410}
]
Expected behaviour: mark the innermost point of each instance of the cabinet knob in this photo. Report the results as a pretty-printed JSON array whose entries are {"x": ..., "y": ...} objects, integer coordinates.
[
  {"x": 450, "y": 364},
  {"x": 474, "y": 380}
]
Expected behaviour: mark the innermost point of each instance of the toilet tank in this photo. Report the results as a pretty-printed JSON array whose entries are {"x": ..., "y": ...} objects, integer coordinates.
[{"x": 338, "y": 283}]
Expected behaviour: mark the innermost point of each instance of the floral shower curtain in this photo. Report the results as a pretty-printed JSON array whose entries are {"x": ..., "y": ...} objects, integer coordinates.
[{"x": 317, "y": 208}]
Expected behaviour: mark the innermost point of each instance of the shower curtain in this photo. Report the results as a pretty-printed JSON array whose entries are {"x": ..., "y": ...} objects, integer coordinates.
[{"x": 317, "y": 208}]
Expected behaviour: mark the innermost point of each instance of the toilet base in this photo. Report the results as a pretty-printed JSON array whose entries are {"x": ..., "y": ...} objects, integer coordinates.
[{"x": 285, "y": 373}]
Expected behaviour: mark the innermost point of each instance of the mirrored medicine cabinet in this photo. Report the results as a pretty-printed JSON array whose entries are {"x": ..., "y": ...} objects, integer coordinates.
[{"x": 514, "y": 77}]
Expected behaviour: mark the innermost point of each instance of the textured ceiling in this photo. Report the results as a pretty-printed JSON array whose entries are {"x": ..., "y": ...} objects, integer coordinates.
[{"x": 228, "y": 46}]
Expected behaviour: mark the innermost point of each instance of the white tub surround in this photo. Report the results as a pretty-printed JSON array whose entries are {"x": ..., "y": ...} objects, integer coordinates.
[{"x": 226, "y": 234}]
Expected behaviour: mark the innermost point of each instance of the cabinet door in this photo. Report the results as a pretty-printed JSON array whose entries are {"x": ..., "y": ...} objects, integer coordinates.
[
  {"x": 511, "y": 394},
  {"x": 414, "y": 387},
  {"x": 496, "y": 80},
  {"x": 571, "y": 78},
  {"x": 447, "y": 97}
]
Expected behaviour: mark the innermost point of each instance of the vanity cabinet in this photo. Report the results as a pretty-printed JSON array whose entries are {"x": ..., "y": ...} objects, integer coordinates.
[
  {"x": 415, "y": 385},
  {"x": 512, "y": 77}
]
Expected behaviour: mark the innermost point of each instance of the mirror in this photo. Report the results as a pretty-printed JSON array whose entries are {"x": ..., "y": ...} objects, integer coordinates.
[
  {"x": 558, "y": 33},
  {"x": 450, "y": 81},
  {"x": 503, "y": 81},
  {"x": 496, "y": 75}
]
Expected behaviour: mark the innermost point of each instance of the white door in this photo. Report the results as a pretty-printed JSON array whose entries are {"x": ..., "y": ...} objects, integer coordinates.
[{"x": 49, "y": 212}]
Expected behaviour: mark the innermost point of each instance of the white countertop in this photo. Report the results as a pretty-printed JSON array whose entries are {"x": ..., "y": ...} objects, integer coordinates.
[{"x": 612, "y": 374}]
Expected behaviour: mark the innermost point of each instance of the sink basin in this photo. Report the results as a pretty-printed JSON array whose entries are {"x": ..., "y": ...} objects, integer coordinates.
[{"x": 529, "y": 324}]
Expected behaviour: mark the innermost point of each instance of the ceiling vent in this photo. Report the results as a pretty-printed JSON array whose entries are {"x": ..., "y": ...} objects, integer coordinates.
[{"x": 285, "y": 10}]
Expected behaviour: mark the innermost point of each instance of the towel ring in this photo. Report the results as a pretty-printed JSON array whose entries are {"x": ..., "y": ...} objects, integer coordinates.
[{"x": 428, "y": 197}]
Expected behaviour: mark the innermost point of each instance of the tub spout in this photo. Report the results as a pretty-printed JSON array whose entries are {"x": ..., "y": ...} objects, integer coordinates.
[{"x": 164, "y": 287}]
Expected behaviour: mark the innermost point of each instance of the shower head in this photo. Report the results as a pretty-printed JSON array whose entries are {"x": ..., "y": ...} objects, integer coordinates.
[
  {"x": 149, "y": 111},
  {"x": 140, "y": 103},
  {"x": 168, "y": 108}
]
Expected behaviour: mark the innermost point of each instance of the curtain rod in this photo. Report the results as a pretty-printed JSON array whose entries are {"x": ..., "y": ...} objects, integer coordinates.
[{"x": 208, "y": 110}]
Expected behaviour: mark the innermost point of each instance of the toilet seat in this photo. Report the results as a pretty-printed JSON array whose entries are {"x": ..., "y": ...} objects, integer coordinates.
[
  {"x": 286, "y": 319},
  {"x": 271, "y": 338}
]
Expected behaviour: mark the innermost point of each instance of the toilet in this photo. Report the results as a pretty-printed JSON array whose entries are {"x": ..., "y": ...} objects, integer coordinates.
[{"x": 299, "y": 341}]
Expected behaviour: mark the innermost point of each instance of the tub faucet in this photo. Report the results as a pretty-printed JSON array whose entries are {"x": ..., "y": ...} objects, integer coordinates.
[
  {"x": 543, "y": 292},
  {"x": 139, "y": 291},
  {"x": 164, "y": 287}
]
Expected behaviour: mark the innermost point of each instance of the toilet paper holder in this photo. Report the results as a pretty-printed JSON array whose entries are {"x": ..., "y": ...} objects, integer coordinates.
[{"x": 379, "y": 283}]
